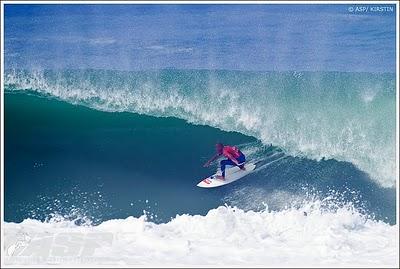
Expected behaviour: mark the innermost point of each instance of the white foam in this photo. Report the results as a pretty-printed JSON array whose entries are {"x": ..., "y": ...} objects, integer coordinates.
[{"x": 224, "y": 237}]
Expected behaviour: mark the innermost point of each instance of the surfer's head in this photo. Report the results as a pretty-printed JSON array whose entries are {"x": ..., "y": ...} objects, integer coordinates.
[{"x": 219, "y": 147}]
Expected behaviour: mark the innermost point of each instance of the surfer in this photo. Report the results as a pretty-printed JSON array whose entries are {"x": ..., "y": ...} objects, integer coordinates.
[{"x": 234, "y": 155}]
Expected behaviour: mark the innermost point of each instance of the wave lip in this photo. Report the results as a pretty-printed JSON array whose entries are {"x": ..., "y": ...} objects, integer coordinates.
[
  {"x": 346, "y": 116},
  {"x": 226, "y": 236}
]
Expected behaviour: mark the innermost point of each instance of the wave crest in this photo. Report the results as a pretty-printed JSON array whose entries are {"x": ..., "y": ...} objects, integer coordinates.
[{"x": 346, "y": 116}]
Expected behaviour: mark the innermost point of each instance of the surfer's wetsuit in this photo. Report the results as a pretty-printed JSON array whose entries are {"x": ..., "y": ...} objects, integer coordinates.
[{"x": 234, "y": 152}]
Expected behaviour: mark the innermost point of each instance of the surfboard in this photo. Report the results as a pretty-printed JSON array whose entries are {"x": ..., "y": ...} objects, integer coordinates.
[{"x": 232, "y": 174}]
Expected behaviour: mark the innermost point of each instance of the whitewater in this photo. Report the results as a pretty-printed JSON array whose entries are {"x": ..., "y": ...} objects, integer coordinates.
[{"x": 226, "y": 236}]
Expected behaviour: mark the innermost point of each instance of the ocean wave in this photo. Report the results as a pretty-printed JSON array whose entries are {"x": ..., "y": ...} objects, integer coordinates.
[
  {"x": 226, "y": 236},
  {"x": 345, "y": 116}
]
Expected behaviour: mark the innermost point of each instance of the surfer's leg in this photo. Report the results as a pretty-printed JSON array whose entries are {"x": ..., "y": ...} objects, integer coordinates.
[
  {"x": 241, "y": 159},
  {"x": 224, "y": 163}
]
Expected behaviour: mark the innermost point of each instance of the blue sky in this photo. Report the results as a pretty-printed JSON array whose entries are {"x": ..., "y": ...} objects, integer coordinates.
[{"x": 238, "y": 37}]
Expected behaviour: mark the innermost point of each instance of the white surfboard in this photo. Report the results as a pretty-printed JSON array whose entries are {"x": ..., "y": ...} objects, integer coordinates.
[{"x": 232, "y": 174}]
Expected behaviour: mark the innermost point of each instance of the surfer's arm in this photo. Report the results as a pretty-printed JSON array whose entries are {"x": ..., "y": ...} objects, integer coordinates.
[{"x": 211, "y": 160}]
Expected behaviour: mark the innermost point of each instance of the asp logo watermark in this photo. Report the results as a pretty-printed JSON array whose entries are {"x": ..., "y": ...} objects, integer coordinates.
[{"x": 71, "y": 247}]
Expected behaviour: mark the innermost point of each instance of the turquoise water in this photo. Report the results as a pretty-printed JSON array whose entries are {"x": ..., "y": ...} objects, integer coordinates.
[{"x": 97, "y": 144}]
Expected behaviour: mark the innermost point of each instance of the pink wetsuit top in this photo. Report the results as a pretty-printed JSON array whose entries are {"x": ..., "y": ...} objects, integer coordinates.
[{"x": 233, "y": 151}]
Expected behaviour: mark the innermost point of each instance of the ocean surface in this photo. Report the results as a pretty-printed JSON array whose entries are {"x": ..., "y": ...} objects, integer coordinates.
[{"x": 122, "y": 151}]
